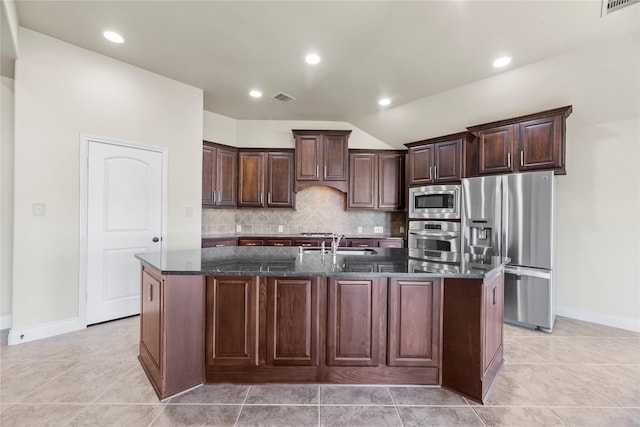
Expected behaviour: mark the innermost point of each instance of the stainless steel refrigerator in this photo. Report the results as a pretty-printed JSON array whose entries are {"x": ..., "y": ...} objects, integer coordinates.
[{"x": 514, "y": 216}]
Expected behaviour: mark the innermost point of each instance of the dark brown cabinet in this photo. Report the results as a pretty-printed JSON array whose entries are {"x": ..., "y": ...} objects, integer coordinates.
[
  {"x": 171, "y": 325},
  {"x": 266, "y": 179},
  {"x": 293, "y": 316},
  {"x": 356, "y": 327},
  {"x": 231, "y": 326},
  {"x": 322, "y": 158},
  {"x": 219, "y": 176},
  {"x": 414, "y": 322},
  {"x": 219, "y": 242},
  {"x": 376, "y": 180},
  {"x": 243, "y": 241},
  {"x": 527, "y": 143},
  {"x": 439, "y": 160}
]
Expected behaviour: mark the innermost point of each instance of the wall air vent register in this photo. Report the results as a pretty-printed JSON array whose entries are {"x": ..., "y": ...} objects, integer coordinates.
[{"x": 609, "y": 6}]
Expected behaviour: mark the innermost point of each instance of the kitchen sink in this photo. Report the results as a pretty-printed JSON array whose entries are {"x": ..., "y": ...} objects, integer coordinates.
[{"x": 342, "y": 251}]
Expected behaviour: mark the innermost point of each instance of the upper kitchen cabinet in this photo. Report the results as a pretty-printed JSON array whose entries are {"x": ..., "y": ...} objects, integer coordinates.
[
  {"x": 440, "y": 160},
  {"x": 219, "y": 176},
  {"x": 527, "y": 143},
  {"x": 322, "y": 158},
  {"x": 266, "y": 179},
  {"x": 376, "y": 180}
]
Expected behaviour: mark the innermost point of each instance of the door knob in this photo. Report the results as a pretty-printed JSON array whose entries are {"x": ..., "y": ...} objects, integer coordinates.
[{"x": 155, "y": 239}]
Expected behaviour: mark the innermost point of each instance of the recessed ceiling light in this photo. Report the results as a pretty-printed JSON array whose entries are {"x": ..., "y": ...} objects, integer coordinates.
[
  {"x": 312, "y": 59},
  {"x": 502, "y": 61},
  {"x": 255, "y": 93},
  {"x": 113, "y": 37},
  {"x": 384, "y": 101}
]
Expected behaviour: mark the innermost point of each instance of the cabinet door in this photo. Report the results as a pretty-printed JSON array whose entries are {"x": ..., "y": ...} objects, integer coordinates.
[
  {"x": 335, "y": 158},
  {"x": 540, "y": 144},
  {"x": 391, "y": 243},
  {"x": 493, "y": 303},
  {"x": 208, "y": 175},
  {"x": 354, "y": 322},
  {"x": 447, "y": 161},
  {"x": 250, "y": 242},
  {"x": 414, "y": 322},
  {"x": 421, "y": 165},
  {"x": 390, "y": 181},
  {"x": 279, "y": 184},
  {"x": 232, "y": 321},
  {"x": 277, "y": 242},
  {"x": 495, "y": 148},
  {"x": 251, "y": 182},
  {"x": 226, "y": 177},
  {"x": 362, "y": 180},
  {"x": 308, "y": 157},
  {"x": 151, "y": 319},
  {"x": 292, "y": 321},
  {"x": 363, "y": 243}
]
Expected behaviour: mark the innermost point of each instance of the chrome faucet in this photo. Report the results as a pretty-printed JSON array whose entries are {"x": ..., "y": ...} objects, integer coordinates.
[{"x": 335, "y": 242}]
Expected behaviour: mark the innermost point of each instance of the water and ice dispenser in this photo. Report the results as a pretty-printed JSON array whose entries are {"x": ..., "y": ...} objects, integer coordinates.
[{"x": 481, "y": 238}]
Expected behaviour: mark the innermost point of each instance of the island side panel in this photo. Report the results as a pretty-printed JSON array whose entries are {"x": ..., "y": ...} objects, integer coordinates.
[
  {"x": 472, "y": 334},
  {"x": 172, "y": 331}
]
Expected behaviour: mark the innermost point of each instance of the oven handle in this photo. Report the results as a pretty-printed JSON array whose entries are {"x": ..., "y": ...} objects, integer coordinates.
[{"x": 432, "y": 234}]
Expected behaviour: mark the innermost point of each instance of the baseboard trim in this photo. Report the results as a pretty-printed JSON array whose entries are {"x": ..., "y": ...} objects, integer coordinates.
[
  {"x": 19, "y": 336},
  {"x": 626, "y": 323},
  {"x": 5, "y": 321}
]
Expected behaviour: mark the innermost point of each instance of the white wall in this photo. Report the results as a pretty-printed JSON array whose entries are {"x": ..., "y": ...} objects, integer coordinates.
[
  {"x": 62, "y": 91},
  {"x": 276, "y": 133},
  {"x": 6, "y": 199}
]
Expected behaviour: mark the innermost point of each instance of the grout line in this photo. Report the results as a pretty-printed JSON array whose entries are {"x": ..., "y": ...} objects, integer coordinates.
[
  {"x": 473, "y": 408},
  {"x": 319, "y": 401},
  {"x": 395, "y": 406},
  {"x": 246, "y": 396},
  {"x": 164, "y": 408}
]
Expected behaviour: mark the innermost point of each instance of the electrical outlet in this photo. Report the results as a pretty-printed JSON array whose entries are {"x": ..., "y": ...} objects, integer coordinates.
[
  {"x": 401, "y": 229},
  {"x": 238, "y": 228},
  {"x": 378, "y": 229},
  {"x": 280, "y": 229},
  {"x": 359, "y": 229}
]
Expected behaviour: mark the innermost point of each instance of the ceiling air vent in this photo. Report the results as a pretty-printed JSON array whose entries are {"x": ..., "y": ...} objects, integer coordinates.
[
  {"x": 609, "y": 6},
  {"x": 283, "y": 97}
]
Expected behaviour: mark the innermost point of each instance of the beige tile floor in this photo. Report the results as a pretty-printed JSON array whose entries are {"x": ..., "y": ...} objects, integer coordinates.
[{"x": 581, "y": 375}]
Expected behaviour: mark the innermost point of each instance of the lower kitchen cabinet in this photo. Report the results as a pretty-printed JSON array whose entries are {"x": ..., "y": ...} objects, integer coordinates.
[
  {"x": 293, "y": 318},
  {"x": 231, "y": 326},
  {"x": 414, "y": 322},
  {"x": 472, "y": 333},
  {"x": 356, "y": 326},
  {"x": 171, "y": 317}
]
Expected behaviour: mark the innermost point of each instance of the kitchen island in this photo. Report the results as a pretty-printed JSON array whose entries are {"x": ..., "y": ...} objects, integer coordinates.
[{"x": 252, "y": 315}]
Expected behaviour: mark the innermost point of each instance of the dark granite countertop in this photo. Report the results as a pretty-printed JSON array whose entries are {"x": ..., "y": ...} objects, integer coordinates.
[
  {"x": 291, "y": 262},
  {"x": 295, "y": 236}
]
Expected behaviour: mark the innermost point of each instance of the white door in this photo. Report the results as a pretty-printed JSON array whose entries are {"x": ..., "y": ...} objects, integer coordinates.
[{"x": 124, "y": 218}]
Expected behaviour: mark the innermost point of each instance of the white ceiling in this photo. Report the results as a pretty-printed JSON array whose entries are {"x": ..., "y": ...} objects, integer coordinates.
[{"x": 402, "y": 50}]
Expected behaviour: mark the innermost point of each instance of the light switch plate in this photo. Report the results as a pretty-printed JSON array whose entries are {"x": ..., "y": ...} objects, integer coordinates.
[
  {"x": 39, "y": 209},
  {"x": 359, "y": 229},
  {"x": 238, "y": 228},
  {"x": 378, "y": 229},
  {"x": 280, "y": 229}
]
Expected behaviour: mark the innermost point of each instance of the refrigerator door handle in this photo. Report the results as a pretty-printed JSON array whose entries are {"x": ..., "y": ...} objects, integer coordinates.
[{"x": 523, "y": 271}]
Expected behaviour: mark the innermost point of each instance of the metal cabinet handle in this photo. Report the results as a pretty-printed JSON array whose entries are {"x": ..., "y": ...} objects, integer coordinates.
[
  {"x": 150, "y": 292},
  {"x": 213, "y": 195},
  {"x": 509, "y": 160},
  {"x": 317, "y": 171},
  {"x": 435, "y": 172},
  {"x": 261, "y": 198},
  {"x": 219, "y": 245},
  {"x": 269, "y": 197},
  {"x": 278, "y": 244},
  {"x": 306, "y": 244},
  {"x": 251, "y": 244},
  {"x": 325, "y": 171},
  {"x": 521, "y": 158},
  {"x": 495, "y": 296},
  {"x": 430, "y": 178},
  {"x": 363, "y": 245}
]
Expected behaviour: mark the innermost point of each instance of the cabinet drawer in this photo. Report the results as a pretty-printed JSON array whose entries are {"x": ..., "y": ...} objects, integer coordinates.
[
  {"x": 277, "y": 242},
  {"x": 250, "y": 242},
  {"x": 218, "y": 243}
]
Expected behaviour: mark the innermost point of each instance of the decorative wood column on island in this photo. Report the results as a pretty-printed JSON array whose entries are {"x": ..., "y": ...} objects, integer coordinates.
[{"x": 252, "y": 315}]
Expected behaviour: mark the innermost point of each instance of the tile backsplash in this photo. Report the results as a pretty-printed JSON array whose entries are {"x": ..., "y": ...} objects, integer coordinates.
[{"x": 318, "y": 209}]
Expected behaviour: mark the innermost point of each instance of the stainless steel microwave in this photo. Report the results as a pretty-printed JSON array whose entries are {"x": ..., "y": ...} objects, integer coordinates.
[{"x": 434, "y": 202}]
